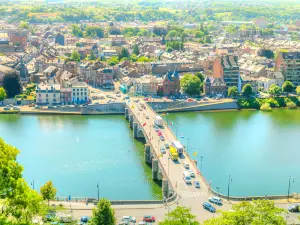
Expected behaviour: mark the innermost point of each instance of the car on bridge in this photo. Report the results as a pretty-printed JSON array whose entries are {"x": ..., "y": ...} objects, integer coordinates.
[
  {"x": 163, "y": 150},
  {"x": 149, "y": 219},
  {"x": 167, "y": 146},
  {"x": 159, "y": 133},
  {"x": 215, "y": 200},
  {"x": 197, "y": 184},
  {"x": 192, "y": 174},
  {"x": 294, "y": 208},
  {"x": 161, "y": 138},
  {"x": 209, "y": 207}
]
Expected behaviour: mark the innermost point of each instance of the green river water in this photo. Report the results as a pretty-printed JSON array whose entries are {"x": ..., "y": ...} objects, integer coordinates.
[{"x": 259, "y": 150}]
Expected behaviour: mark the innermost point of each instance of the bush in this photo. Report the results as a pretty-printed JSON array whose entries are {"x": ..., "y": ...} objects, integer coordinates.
[
  {"x": 255, "y": 103},
  {"x": 272, "y": 102},
  {"x": 291, "y": 105},
  {"x": 265, "y": 107}
]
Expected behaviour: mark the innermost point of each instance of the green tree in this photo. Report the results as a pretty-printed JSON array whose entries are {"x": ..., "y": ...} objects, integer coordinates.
[
  {"x": 274, "y": 90},
  {"x": 233, "y": 92},
  {"x": 200, "y": 76},
  {"x": 103, "y": 213},
  {"x": 199, "y": 34},
  {"x": 76, "y": 30},
  {"x": 190, "y": 84},
  {"x": 180, "y": 216},
  {"x": 169, "y": 49},
  {"x": 255, "y": 212},
  {"x": 207, "y": 39},
  {"x": 266, "y": 53},
  {"x": 297, "y": 91},
  {"x": 113, "y": 61},
  {"x": 287, "y": 87},
  {"x": 75, "y": 56},
  {"x": 94, "y": 31},
  {"x": 247, "y": 90},
  {"x": 136, "y": 50},
  {"x": 143, "y": 59},
  {"x": 92, "y": 55},
  {"x": 24, "y": 25},
  {"x": 11, "y": 84},
  {"x": 2, "y": 94},
  {"x": 48, "y": 191},
  {"x": 124, "y": 53}
]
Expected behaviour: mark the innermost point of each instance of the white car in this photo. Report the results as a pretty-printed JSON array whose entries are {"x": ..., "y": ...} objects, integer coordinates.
[
  {"x": 186, "y": 165},
  {"x": 192, "y": 174},
  {"x": 16, "y": 108},
  {"x": 128, "y": 219}
]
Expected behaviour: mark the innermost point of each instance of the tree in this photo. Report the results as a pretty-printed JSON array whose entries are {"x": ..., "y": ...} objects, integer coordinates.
[
  {"x": 199, "y": 34},
  {"x": 133, "y": 57},
  {"x": 247, "y": 90},
  {"x": 2, "y": 94},
  {"x": 143, "y": 59},
  {"x": 255, "y": 212},
  {"x": 297, "y": 90},
  {"x": 287, "y": 87},
  {"x": 48, "y": 191},
  {"x": 180, "y": 216},
  {"x": 92, "y": 55},
  {"x": 274, "y": 90},
  {"x": 233, "y": 92},
  {"x": 11, "y": 84},
  {"x": 113, "y": 61},
  {"x": 75, "y": 56},
  {"x": 207, "y": 39},
  {"x": 94, "y": 31},
  {"x": 124, "y": 53},
  {"x": 24, "y": 25},
  {"x": 76, "y": 31},
  {"x": 103, "y": 213},
  {"x": 169, "y": 49},
  {"x": 266, "y": 53},
  {"x": 136, "y": 50},
  {"x": 200, "y": 76},
  {"x": 190, "y": 84}
]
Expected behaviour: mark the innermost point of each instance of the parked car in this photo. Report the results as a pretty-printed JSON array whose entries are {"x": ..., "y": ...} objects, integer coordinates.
[
  {"x": 129, "y": 219},
  {"x": 37, "y": 107},
  {"x": 192, "y": 174},
  {"x": 149, "y": 219},
  {"x": 209, "y": 207},
  {"x": 156, "y": 128},
  {"x": 167, "y": 146},
  {"x": 7, "y": 108},
  {"x": 197, "y": 184},
  {"x": 66, "y": 219},
  {"x": 84, "y": 219},
  {"x": 16, "y": 108},
  {"x": 294, "y": 208},
  {"x": 215, "y": 200},
  {"x": 190, "y": 100},
  {"x": 163, "y": 150},
  {"x": 186, "y": 165},
  {"x": 162, "y": 138},
  {"x": 146, "y": 99},
  {"x": 50, "y": 216}
]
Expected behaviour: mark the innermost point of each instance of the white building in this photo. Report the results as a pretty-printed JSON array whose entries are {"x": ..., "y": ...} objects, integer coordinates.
[
  {"x": 80, "y": 92},
  {"x": 272, "y": 78},
  {"x": 145, "y": 85},
  {"x": 48, "y": 94}
]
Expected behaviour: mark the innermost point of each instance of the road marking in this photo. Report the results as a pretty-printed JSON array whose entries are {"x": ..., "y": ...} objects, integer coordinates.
[{"x": 192, "y": 194}]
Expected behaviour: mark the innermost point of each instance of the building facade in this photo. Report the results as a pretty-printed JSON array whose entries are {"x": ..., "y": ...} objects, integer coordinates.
[
  {"x": 80, "y": 92},
  {"x": 214, "y": 86},
  {"x": 48, "y": 94},
  {"x": 171, "y": 83}
]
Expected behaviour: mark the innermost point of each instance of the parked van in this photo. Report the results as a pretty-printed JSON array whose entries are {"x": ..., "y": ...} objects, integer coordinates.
[{"x": 186, "y": 177}]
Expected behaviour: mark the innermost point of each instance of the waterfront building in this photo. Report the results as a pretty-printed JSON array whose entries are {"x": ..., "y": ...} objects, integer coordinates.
[
  {"x": 289, "y": 64},
  {"x": 48, "y": 94},
  {"x": 80, "y": 92},
  {"x": 171, "y": 83},
  {"x": 214, "y": 86},
  {"x": 271, "y": 78},
  {"x": 227, "y": 67},
  {"x": 65, "y": 96},
  {"x": 145, "y": 85}
]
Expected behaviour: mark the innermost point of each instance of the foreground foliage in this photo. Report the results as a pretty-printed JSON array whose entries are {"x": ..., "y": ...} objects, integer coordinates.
[
  {"x": 277, "y": 102},
  {"x": 180, "y": 216},
  {"x": 103, "y": 213}
]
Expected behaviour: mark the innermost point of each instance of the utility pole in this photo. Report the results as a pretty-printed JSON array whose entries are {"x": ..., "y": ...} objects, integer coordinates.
[
  {"x": 32, "y": 184},
  {"x": 98, "y": 191}
]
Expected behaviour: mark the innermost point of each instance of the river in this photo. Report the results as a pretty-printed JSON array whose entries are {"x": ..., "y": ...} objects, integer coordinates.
[{"x": 258, "y": 149}]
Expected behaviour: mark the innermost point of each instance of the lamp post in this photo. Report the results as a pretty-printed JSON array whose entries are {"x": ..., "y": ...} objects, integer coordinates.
[
  {"x": 32, "y": 184},
  {"x": 187, "y": 146},
  {"x": 291, "y": 179},
  {"x": 176, "y": 130},
  {"x": 229, "y": 181},
  {"x": 201, "y": 164},
  {"x": 168, "y": 167},
  {"x": 98, "y": 191},
  {"x": 218, "y": 190}
]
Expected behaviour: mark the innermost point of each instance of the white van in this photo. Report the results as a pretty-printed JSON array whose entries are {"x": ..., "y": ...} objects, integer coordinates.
[{"x": 186, "y": 177}]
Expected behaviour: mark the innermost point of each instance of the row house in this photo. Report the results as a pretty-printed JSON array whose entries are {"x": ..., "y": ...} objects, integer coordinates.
[
  {"x": 214, "y": 86},
  {"x": 47, "y": 94},
  {"x": 145, "y": 85}
]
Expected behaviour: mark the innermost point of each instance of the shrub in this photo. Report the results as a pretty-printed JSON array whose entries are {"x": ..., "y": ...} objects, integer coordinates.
[
  {"x": 290, "y": 105},
  {"x": 265, "y": 107}
]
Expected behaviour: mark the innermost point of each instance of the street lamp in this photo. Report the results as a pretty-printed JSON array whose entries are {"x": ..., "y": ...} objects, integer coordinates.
[
  {"x": 98, "y": 190},
  {"x": 176, "y": 129},
  {"x": 229, "y": 181},
  {"x": 32, "y": 184},
  {"x": 187, "y": 146},
  {"x": 168, "y": 167},
  {"x": 201, "y": 164},
  {"x": 218, "y": 190},
  {"x": 291, "y": 179}
]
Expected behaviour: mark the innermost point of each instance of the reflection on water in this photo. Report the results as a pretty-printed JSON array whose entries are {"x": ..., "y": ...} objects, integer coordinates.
[{"x": 77, "y": 152}]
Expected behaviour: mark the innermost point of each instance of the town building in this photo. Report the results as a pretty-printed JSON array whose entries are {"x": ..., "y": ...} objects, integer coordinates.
[
  {"x": 65, "y": 96},
  {"x": 227, "y": 67},
  {"x": 145, "y": 85},
  {"x": 171, "y": 83},
  {"x": 80, "y": 92},
  {"x": 271, "y": 78},
  {"x": 214, "y": 86},
  {"x": 289, "y": 64},
  {"x": 47, "y": 94}
]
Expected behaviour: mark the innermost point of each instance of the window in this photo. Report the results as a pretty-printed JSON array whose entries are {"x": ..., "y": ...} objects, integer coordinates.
[
  {"x": 39, "y": 95},
  {"x": 54, "y": 95},
  {"x": 81, "y": 93},
  {"x": 47, "y": 95}
]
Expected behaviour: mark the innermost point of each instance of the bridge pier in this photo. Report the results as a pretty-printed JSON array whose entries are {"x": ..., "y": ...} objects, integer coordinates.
[
  {"x": 165, "y": 188},
  {"x": 130, "y": 120},
  {"x": 126, "y": 114},
  {"x": 137, "y": 132},
  {"x": 155, "y": 169},
  {"x": 160, "y": 174},
  {"x": 148, "y": 155}
]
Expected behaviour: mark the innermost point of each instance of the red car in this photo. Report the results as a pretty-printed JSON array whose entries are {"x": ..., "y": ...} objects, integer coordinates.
[
  {"x": 159, "y": 133},
  {"x": 190, "y": 100},
  {"x": 149, "y": 219}
]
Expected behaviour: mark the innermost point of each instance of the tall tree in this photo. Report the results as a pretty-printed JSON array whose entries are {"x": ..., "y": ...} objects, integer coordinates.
[
  {"x": 266, "y": 53},
  {"x": 2, "y": 94},
  {"x": 94, "y": 31},
  {"x": 247, "y": 90},
  {"x": 92, "y": 55},
  {"x": 233, "y": 92},
  {"x": 190, "y": 84},
  {"x": 136, "y": 50},
  {"x": 75, "y": 56},
  {"x": 297, "y": 90},
  {"x": 287, "y": 87},
  {"x": 274, "y": 90},
  {"x": 11, "y": 84},
  {"x": 103, "y": 213},
  {"x": 180, "y": 216},
  {"x": 200, "y": 76},
  {"x": 124, "y": 53},
  {"x": 245, "y": 213},
  {"x": 48, "y": 191}
]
